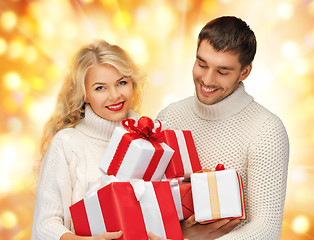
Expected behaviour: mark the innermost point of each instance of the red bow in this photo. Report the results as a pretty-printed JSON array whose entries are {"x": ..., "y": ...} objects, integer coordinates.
[{"x": 144, "y": 129}]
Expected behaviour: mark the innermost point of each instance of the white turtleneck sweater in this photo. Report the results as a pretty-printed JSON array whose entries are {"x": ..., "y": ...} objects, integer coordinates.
[
  {"x": 71, "y": 162},
  {"x": 243, "y": 135}
]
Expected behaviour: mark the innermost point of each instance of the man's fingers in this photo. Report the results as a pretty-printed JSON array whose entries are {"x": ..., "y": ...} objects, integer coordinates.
[
  {"x": 219, "y": 223},
  {"x": 190, "y": 221},
  {"x": 230, "y": 226}
]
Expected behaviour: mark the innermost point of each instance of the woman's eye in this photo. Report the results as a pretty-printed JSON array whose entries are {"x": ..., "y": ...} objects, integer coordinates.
[
  {"x": 122, "y": 82},
  {"x": 99, "y": 88}
]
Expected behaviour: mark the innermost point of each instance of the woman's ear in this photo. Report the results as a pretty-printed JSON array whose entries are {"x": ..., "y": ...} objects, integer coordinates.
[{"x": 245, "y": 72}]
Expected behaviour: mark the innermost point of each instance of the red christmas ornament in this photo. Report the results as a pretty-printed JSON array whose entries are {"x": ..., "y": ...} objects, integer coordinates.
[{"x": 220, "y": 167}]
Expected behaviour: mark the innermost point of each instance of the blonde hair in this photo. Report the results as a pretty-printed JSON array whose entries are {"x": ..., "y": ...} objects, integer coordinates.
[{"x": 70, "y": 106}]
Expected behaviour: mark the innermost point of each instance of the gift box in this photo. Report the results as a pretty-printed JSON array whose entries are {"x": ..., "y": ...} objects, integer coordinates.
[
  {"x": 218, "y": 194},
  {"x": 135, "y": 208},
  {"x": 182, "y": 196},
  {"x": 185, "y": 159},
  {"x": 136, "y": 152}
]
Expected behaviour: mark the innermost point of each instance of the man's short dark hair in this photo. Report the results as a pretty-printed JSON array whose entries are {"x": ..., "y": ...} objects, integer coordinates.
[{"x": 232, "y": 34}]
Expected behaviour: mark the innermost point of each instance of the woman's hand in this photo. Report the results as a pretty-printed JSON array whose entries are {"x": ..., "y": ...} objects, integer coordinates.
[
  {"x": 108, "y": 236},
  {"x": 152, "y": 236},
  {"x": 193, "y": 230},
  {"x": 104, "y": 236}
]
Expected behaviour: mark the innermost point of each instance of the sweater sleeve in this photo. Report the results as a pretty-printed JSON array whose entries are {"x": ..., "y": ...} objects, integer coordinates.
[
  {"x": 53, "y": 195},
  {"x": 268, "y": 159}
]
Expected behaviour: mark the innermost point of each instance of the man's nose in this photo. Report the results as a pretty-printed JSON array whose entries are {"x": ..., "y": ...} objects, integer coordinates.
[{"x": 209, "y": 78}]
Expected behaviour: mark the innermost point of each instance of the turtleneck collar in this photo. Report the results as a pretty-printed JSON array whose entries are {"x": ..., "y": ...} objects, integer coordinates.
[
  {"x": 96, "y": 127},
  {"x": 229, "y": 106}
]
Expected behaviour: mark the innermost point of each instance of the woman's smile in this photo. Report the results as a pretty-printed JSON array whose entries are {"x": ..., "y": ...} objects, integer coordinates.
[{"x": 116, "y": 107}]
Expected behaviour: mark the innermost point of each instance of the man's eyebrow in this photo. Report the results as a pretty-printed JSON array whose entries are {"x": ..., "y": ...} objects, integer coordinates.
[
  {"x": 201, "y": 59},
  {"x": 226, "y": 68},
  {"x": 219, "y": 67}
]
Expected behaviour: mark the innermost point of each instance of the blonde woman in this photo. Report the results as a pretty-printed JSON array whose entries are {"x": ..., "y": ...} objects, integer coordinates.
[{"x": 102, "y": 87}]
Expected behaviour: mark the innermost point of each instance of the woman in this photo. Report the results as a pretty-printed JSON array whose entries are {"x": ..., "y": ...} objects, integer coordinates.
[{"x": 103, "y": 87}]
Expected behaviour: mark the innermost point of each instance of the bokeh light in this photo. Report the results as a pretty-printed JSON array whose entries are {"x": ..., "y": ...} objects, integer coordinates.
[
  {"x": 3, "y": 46},
  {"x": 8, "y": 20},
  {"x": 8, "y": 219},
  {"x": 301, "y": 224},
  {"x": 285, "y": 10},
  {"x": 38, "y": 39},
  {"x": 12, "y": 80}
]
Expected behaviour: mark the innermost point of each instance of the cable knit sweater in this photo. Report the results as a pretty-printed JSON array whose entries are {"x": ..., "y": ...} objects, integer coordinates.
[
  {"x": 71, "y": 162},
  {"x": 243, "y": 135}
]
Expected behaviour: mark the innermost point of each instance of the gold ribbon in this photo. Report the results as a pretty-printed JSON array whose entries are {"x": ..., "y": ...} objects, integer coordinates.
[{"x": 213, "y": 194}]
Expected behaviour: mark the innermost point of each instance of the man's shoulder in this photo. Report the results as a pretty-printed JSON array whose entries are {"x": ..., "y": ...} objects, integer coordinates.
[
  {"x": 263, "y": 115},
  {"x": 179, "y": 106}
]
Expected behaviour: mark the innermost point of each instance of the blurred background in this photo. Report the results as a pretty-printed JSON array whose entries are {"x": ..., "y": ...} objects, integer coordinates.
[{"x": 37, "y": 39}]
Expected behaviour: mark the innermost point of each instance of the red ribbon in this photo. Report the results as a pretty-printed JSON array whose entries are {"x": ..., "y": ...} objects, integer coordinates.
[{"x": 144, "y": 129}]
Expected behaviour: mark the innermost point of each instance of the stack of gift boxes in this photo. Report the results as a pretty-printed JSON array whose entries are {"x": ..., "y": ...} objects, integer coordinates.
[{"x": 149, "y": 191}]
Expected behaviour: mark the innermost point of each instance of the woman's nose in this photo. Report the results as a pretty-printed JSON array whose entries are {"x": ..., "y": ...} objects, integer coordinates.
[{"x": 114, "y": 93}]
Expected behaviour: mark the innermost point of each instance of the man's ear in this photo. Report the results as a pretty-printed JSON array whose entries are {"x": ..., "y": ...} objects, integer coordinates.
[{"x": 245, "y": 72}]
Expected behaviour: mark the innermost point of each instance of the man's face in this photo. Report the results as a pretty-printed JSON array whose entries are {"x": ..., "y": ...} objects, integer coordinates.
[{"x": 217, "y": 74}]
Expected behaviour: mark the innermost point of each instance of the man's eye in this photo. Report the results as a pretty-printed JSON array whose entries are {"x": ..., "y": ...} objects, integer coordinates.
[
  {"x": 222, "y": 73},
  {"x": 202, "y": 66}
]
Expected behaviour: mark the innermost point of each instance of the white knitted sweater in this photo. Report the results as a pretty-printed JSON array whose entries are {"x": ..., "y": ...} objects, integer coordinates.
[
  {"x": 71, "y": 162},
  {"x": 243, "y": 135}
]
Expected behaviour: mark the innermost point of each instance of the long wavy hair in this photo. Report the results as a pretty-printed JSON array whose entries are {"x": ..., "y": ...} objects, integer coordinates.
[{"x": 70, "y": 106}]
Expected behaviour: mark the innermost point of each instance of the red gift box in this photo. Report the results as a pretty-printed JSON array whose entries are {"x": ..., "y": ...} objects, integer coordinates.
[
  {"x": 116, "y": 207},
  {"x": 185, "y": 160},
  {"x": 182, "y": 196}
]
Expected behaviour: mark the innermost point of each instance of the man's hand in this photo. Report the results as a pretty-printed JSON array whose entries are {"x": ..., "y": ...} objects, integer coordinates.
[{"x": 195, "y": 231}]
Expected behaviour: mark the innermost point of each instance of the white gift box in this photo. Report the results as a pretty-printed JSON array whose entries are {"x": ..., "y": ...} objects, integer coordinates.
[
  {"x": 137, "y": 158},
  {"x": 217, "y": 195}
]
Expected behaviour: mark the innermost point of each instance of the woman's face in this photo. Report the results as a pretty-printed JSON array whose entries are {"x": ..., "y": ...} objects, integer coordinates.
[{"x": 108, "y": 92}]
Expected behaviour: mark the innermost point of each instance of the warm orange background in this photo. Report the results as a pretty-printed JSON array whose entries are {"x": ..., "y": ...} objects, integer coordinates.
[{"x": 37, "y": 38}]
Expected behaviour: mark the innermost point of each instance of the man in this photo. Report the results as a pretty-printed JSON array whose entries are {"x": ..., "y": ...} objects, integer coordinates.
[{"x": 229, "y": 127}]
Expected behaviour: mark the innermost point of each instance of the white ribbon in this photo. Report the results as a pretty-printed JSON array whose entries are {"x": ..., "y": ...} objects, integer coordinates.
[
  {"x": 139, "y": 187},
  {"x": 93, "y": 187},
  {"x": 186, "y": 161},
  {"x": 175, "y": 190},
  {"x": 151, "y": 212},
  {"x": 94, "y": 215}
]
